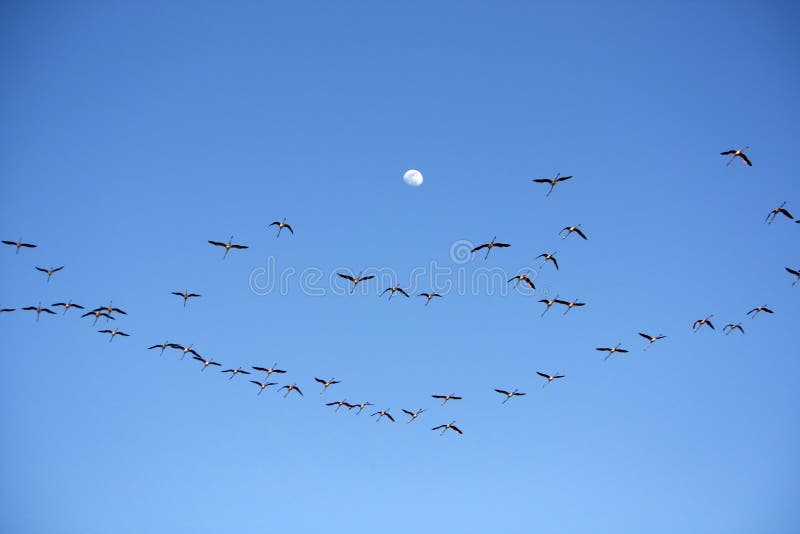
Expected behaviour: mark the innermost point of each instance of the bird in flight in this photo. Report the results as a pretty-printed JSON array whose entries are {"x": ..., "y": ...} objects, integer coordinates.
[
  {"x": 162, "y": 346},
  {"x": 97, "y": 314},
  {"x": 736, "y": 153},
  {"x": 449, "y": 426},
  {"x": 383, "y": 413},
  {"x": 49, "y": 271},
  {"x": 733, "y": 326},
  {"x": 394, "y": 289},
  {"x": 651, "y": 339},
  {"x": 185, "y": 296},
  {"x": 270, "y": 370},
  {"x": 263, "y": 385},
  {"x": 281, "y": 225},
  {"x": 228, "y": 246},
  {"x": 356, "y": 280},
  {"x": 549, "y": 378},
  {"x": 430, "y": 296},
  {"x": 67, "y": 305},
  {"x": 413, "y": 415},
  {"x": 570, "y": 305},
  {"x": 489, "y": 246},
  {"x": 446, "y": 398},
  {"x": 361, "y": 406},
  {"x": 547, "y": 257},
  {"x": 206, "y": 363},
  {"x": 340, "y": 403},
  {"x": 185, "y": 350},
  {"x": 19, "y": 244},
  {"x": 774, "y": 213},
  {"x": 291, "y": 388},
  {"x": 611, "y": 350},
  {"x": 113, "y": 333},
  {"x": 700, "y": 322},
  {"x": 235, "y": 372},
  {"x": 39, "y": 310},
  {"x": 548, "y": 303},
  {"x": 552, "y": 182},
  {"x": 794, "y": 272},
  {"x": 326, "y": 383},
  {"x": 755, "y": 311},
  {"x": 110, "y": 309},
  {"x": 509, "y": 394},
  {"x": 522, "y": 278},
  {"x": 570, "y": 229}
]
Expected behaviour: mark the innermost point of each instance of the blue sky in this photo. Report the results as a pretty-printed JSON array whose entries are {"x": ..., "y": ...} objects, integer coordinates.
[{"x": 134, "y": 133}]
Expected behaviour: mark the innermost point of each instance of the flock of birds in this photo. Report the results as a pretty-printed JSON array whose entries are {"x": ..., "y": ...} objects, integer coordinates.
[{"x": 108, "y": 312}]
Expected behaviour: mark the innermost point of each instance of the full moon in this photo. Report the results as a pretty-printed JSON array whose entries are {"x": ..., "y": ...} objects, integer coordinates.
[{"x": 413, "y": 178}]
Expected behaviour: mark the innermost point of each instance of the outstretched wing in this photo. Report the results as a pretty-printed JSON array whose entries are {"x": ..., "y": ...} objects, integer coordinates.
[
  {"x": 346, "y": 277},
  {"x": 476, "y": 249}
]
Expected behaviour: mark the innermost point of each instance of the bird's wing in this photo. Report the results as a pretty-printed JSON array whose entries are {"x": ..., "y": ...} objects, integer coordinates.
[
  {"x": 321, "y": 381},
  {"x": 542, "y": 180},
  {"x": 786, "y": 212},
  {"x": 104, "y": 331},
  {"x": 217, "y": 243},
  {"x": 244, "y": 372},
  {"x": 455, "y": 398},
  {"x": 330, "y": 403},
  {"x": 648, "y": 338},
  {"x": 745, "y": 158},
  {"x": 792, "y": 271},
  {"x": 176, "y": 293},
  {"x": 438, "y": 396},
  {"x": 390, "y": 417},
  {"x": 346, "y": 277},
  {"x": 58, "y": 269},
  {"x": 215, "y": 363},
  {"x": 298, "y": 390},
  {"x": 502, "y": 245},
  {"x": 78, "y": 306},
  {"x": 240, "y": 247},
  {"x": 259, "y": 384},
  {"x": 275, "y": 223},
  {"x": 40, "y": 269},
  {"x": 621, "y": 350},
  {"x": 52, "y": 312},
  {"x": 727, "y": 153},
  {"x": 504, "y": 392},
  {"x": 529, "y": 282},
  {"x": 402, "y": 292},
  {"x": 518, "y": 394},
  {"x": 438, "y": 427},
  {"x": 289, "y": 227},
  {"x": 260, "y": 369},
  {"x": 476, "y": 249},
  {"x": 194, "y": 295},
  {"x": 555, "y": 262},
  {"x": 9, "y": 242},
  {"x": 456, "y": 429},
  {"x": 563, "y": 178},
  {"x": 767, "y": 310},
  {"x": 542, "y": 374},
  {"x": 578, "y": 231},
  {"x": 557, "y": 301},
  {"x": 409, "y": 413},
  {"x": 27, "y": 245},
  {"x": 711, "y": 325},
  {"x": 384, "y": 291},
  {"x": 370, "y": 277},
  {"x": 603, "y": 348}
]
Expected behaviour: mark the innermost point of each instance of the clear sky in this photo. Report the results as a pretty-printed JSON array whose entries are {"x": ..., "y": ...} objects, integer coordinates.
[{"x": 133, "y": 132}]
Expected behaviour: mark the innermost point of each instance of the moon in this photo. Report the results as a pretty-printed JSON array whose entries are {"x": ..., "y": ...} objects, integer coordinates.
[{"x": 413, "y": 178}]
